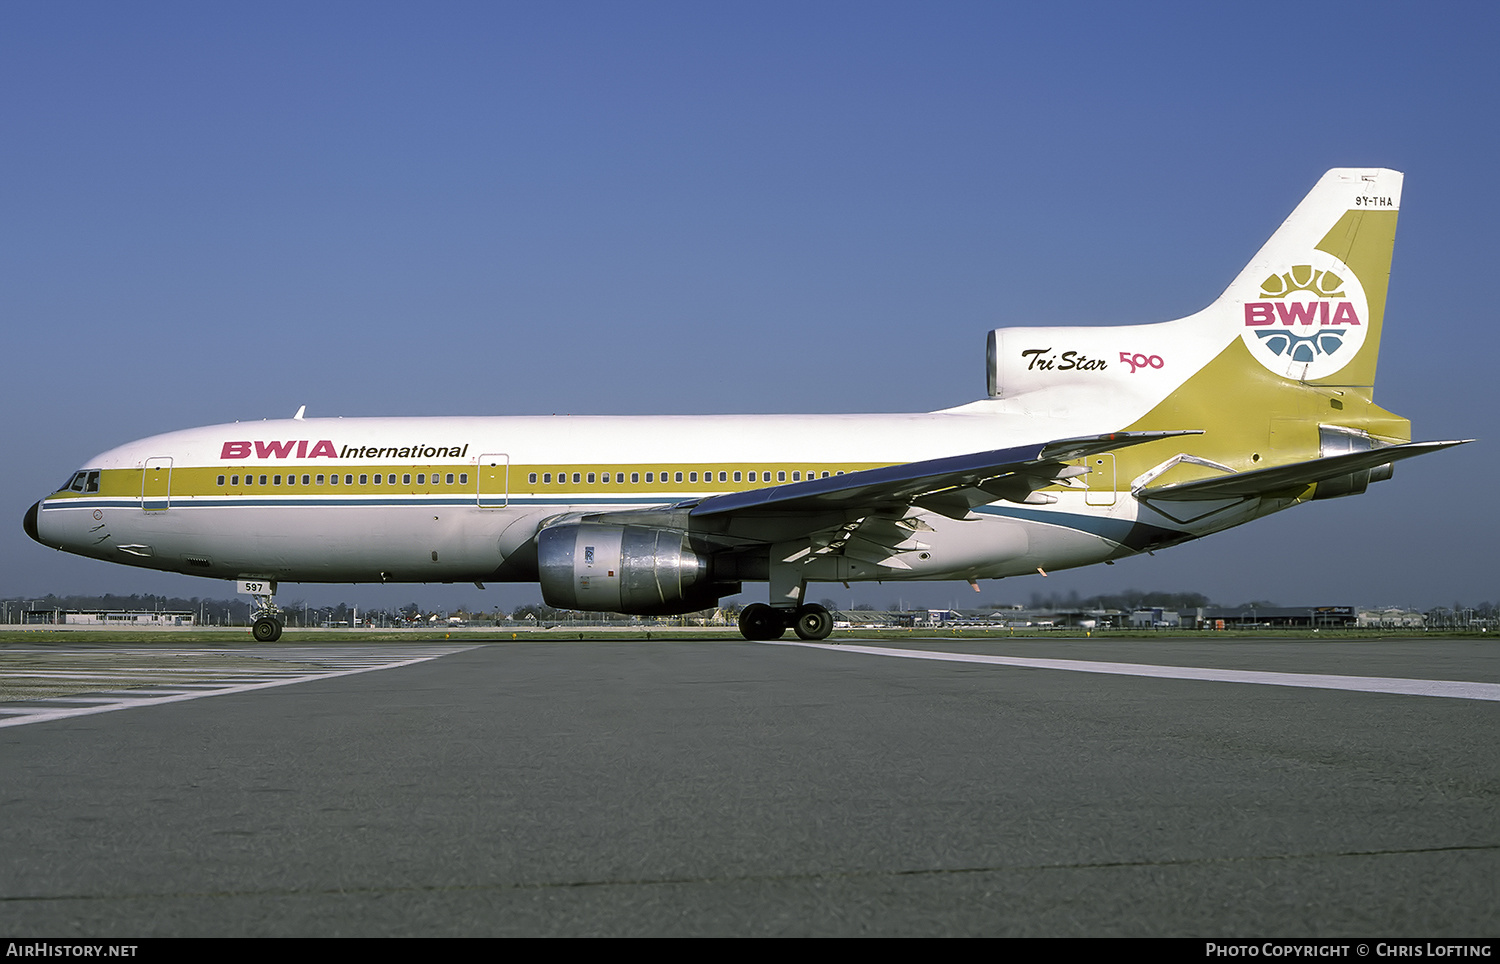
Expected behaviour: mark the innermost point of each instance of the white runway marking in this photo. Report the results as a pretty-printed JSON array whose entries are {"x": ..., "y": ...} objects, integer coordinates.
[
  {"x": 123, "y": 687},
  {"x": 1454, "y": 689}
]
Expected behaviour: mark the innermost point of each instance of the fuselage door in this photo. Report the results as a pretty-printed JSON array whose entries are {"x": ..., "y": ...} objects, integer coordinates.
[
  {"x": 494, "y": 480},
  {"x": 156, "y": 485},
  {"x": 1100, "y": 480}
]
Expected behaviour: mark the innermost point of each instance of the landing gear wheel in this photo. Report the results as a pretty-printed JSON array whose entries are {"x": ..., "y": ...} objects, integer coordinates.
[
  {"x": 266, "y": 630},
  {"x": 813, "y": 622},
  {"x": 760, "y": 622}
]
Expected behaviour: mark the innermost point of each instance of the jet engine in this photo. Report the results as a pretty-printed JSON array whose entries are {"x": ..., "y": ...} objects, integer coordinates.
[
  {"x": 642, "y": 570},
  {"x": 1335, "y": 440}
]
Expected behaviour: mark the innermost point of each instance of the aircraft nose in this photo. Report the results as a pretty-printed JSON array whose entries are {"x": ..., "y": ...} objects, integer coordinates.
[{"x": 30, "y": 522}]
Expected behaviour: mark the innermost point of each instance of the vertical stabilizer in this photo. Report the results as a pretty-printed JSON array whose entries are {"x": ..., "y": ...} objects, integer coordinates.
[{"x": 1310, "y": 304}]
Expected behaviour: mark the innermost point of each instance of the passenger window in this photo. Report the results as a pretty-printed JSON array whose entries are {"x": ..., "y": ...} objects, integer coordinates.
[
  {"x": 450, "y": 478},
  {"x": 723, "y": 476},
  {"x": 307, "y": 480},
  {"x": 234, "y": 480},
  {"x": 546, "y": 478},
  {"x": 320, "y": 480},
  {"x": 577, "y": 478},
  {"x": 364, "y": 480},
  {"x": 349, "y": 479},
  {"x": 825, "y": 475},
  {"x": 650, "y": 476},
  {"x": 692, "y": 476},
  {"x": 221, "y": 480},
  {"x": 532, "y": 478},
  {"x": 605, "y": 479},
  {"x": 262, "y": 480},
  {"x": 679, "y": 476},
  {"x": 276, "y": 480},
  {"x": 406, "y": 479},
  {"x": 752, "y": 476},
  {"x": 463, "y": 478},
  {"x": 780, "y": 476},
  {"x": 796, "y": 476},
  {"x": 736, "y": 476},
  {"x": 635, "y": 477},
  {"x": 377, "y": 479}
]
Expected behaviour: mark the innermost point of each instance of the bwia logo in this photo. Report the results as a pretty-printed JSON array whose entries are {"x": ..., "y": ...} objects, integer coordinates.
[
  {"x": 1310, "y": 320},
  {"x": 279, "y": 450}
]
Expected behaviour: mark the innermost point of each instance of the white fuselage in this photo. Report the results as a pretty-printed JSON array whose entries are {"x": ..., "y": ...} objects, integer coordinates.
[{"x": 451, "y": 499}]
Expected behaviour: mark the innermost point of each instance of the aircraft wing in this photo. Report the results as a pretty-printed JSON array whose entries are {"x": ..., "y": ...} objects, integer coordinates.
[
  {"x": 951, "y": 485},
  {"x": 1282, "y": 477}
]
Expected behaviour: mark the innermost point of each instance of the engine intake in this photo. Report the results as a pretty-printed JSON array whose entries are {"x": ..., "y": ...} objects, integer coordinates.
[{"x": 641, "y": 570}]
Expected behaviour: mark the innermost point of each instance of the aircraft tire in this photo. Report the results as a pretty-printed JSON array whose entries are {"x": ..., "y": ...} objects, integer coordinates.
[
  {"x": 813, "y": 622},
  {"x": 266, "y": 630},
  {"x": 760, "y": 622}
]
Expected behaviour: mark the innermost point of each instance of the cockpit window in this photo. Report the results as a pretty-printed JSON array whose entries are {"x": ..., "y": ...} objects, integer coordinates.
[
  {"x": 86, "y": 480},
  {"x": 83, "y": 481}
]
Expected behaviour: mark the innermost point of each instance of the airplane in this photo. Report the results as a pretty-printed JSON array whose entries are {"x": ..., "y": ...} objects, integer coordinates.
[{"x": 1091, "y": 445}]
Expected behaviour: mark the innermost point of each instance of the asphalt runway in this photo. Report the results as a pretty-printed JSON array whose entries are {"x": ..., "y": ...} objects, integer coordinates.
[{"x": 731, "y": 788}]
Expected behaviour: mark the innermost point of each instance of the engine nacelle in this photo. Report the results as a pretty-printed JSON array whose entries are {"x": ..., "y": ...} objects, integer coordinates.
[
  {"x": 1336, "y": 440},
  {"x": 641, "y": 570}
]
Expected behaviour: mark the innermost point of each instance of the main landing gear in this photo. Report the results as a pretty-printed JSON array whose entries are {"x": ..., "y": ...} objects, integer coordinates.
[{"x": 761, "y": 622}]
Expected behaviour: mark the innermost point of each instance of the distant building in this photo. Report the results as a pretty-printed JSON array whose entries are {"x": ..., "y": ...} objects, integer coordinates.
[
  {"x": 103, "y": 617},
  {"x": 1155, "y": 618},
  {"x": 1278, "y": 617},
  {"x": 1391, "y": 619}
]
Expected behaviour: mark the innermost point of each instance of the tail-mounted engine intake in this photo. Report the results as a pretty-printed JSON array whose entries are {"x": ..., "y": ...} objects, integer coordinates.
[{"x": 640, "y": 570}]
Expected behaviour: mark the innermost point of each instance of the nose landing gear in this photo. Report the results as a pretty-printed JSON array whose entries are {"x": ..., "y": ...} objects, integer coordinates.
[
  {"x": 266, "y": 629},
  {"x": 267, "y": 625}
]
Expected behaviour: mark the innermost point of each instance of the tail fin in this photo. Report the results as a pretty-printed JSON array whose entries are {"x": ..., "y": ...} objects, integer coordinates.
[
  {"x": 1281, "y": 362},
  {"x": 1312, "y": 301},
  {"x": 1306, "y": 311},
  {"x": 1295, "y": 339}
]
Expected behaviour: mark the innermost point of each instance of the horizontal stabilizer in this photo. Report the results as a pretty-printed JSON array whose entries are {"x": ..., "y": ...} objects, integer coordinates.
[{"x": 1283, "y": 477}]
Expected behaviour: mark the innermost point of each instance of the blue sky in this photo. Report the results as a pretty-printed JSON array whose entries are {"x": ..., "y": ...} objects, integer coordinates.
[{"x": 214, "y": 212}]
